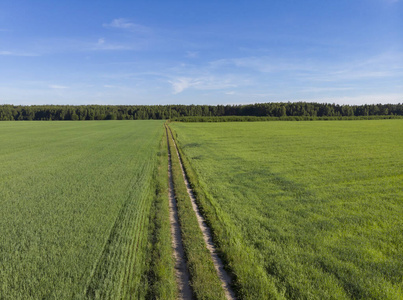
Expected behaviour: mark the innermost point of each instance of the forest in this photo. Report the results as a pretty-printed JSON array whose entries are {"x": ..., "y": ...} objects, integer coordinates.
[{"x": 161, "y": 112}]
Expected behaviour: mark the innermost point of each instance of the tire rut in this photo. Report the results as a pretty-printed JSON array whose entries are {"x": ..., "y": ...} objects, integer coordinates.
[
  {"x": 181, "y": 270},
  {"x": 207, "y": 236}
]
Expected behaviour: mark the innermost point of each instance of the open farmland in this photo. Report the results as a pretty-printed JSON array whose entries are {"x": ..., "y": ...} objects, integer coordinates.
[
  {"x": 305, "y": 210},
  {"x": 75, "y": 207}
]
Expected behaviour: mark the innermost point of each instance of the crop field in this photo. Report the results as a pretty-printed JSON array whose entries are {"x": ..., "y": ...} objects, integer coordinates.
[
  {"x": 302, "y": 210},
  {"x": 297, "y": 210},
  {"x": 75, "y": 202}
]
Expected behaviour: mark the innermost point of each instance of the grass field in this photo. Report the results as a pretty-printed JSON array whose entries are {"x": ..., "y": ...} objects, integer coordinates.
[
  {"x": 299, "y": 210},
  {"x": 303, "y": 210},
  {"x": 75, "y": 209}
]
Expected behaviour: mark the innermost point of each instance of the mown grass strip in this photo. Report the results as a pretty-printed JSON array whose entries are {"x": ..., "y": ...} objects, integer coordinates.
[
  {"x": 204, "y": 278},
  {"x": 250, "y": 280}
]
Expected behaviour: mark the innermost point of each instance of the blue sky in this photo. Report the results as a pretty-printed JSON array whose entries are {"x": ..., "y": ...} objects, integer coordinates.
[{"x": 201, "y": 52}]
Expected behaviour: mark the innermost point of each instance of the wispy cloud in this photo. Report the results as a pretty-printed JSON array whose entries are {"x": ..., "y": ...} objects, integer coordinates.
[
  {"x": 122, "y": 23},
  {"x": 111, "y": 86},
  {"x": 230, "y": 93},
  {"x": 192, "y": 54},
  {"x": 200, "y": 83},
  {"x": 382, "y": 66},
  {"x": 58, "y": 87},
  {"x": 102, "y": 44},
  {"x": 45, "y": 46},
  {"x": 324, "y": 89},
  {"x": 12, "y": 53},
  {"x": 262, "y": 64}
]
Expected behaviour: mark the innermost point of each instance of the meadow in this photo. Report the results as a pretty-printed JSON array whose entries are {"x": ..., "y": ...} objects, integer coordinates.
[
  {"x": 302, "y": 210},
  {"x": 82, "y": 204}
]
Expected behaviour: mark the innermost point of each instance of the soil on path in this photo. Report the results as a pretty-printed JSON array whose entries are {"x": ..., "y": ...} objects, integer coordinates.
[
  {"x": 218, "y": 264},
  {"x": 181, "y": 271}
]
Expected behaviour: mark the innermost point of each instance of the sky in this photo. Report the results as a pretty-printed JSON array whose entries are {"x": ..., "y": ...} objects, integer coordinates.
[{"x": 200, "y": 52}]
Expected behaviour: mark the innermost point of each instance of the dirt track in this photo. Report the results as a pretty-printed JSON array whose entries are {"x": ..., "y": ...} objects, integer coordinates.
[
  {"x": 218, "y": 264},
  {"x": 181, "y": 271}
]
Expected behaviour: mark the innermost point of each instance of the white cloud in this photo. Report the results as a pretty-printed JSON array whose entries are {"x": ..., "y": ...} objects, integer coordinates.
[
  {"x": 58, "y": 87},
  {"x": 180, "y": 84},
  {"x": 122, "y": 23}
]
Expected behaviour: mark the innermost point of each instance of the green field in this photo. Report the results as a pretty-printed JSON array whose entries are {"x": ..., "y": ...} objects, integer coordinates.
[
  {"x": 304, "y": 210},
  {"x": 298, "y": 210},
  {"x": 75, "y": 203}
]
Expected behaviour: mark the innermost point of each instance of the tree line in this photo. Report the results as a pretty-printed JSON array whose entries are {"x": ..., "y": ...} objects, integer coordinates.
[{"x": 146, "y": 112}]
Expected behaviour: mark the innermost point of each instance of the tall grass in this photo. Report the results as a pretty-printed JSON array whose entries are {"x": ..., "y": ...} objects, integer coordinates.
[
  {"x": 75, "y": 201},
  {"x": 315, "y": 207},
  {"x": 162, "y": 273}
]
